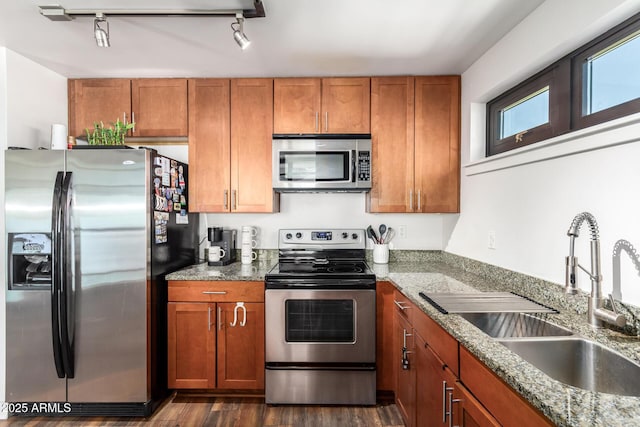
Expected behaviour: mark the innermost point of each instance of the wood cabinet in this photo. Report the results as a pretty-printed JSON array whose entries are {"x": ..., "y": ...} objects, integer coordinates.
[
  {"x": 415, "y": 131},
  {"x": 406, "y": 371},
  {"x": 434, "y": 387},
  {"x": 215, "y": 335},
  {"x": 314, "y": 105},
  {"x": 97, "y": 100},
  {"x": 468, "y": 411},
  {"x": 251, "y": 135},
  {"x": 157, "y": 106},
  {"x": 508, "y": 407},
  {"x": 209, "y": 145},
  {"x": 441, "y": 383},
  {"x": 385, "y": 348},
  {"x": 230, "y": 129}
]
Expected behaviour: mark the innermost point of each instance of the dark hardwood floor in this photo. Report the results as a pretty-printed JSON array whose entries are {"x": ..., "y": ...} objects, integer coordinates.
[{"x": 193, "y": 410}]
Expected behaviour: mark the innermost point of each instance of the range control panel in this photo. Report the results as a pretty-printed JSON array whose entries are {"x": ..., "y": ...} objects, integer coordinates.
[{"x": 338, "y": 238}]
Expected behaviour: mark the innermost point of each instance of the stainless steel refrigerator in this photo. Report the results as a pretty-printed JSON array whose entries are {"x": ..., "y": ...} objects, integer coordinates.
[{"x": 90, "y": 235}]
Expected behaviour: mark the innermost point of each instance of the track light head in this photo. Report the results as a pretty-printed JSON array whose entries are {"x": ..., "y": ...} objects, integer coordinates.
[
  {"x": 238, "y": 32},
  {"x": 101, "y": 30}
]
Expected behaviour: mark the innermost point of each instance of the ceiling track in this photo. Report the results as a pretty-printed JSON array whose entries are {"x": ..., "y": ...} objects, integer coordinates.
[{"x": 58, "y": 13}]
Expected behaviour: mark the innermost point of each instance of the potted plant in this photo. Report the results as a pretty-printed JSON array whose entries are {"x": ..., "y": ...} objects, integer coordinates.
[{"x": 114, "y": 135}]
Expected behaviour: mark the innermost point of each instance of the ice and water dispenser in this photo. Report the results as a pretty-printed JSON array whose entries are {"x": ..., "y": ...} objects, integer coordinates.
[{"x": 29, "y": 261}]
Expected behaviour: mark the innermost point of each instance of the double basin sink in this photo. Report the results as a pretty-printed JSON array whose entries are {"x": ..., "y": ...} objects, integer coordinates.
[{"x": 560, "y": 354}]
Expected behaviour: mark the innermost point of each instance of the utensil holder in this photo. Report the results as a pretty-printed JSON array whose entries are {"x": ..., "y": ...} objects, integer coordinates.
[{"x": 381, "y": 253}]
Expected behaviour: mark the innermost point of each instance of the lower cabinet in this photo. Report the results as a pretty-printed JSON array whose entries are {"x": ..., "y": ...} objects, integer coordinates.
[
  {"x": 216, "y": 341},
  {"x": 440, "y": 383},
  {"x": 406, "y": 378},
  {"x": 434, "y": 387}
]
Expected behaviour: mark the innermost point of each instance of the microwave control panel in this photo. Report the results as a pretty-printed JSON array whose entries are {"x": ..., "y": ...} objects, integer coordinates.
[{"x": 364, "y": 165}]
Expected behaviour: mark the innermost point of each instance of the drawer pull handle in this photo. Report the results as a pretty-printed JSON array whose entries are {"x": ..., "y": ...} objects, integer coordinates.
[
  {"x": 400, "y": 306},
  {"x": 214, "y": 292}
]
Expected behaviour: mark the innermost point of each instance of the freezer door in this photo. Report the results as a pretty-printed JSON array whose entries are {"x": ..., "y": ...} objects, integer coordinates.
[
  {"x": 31, "y": 373},
  {"x": 110, "y": 220}
]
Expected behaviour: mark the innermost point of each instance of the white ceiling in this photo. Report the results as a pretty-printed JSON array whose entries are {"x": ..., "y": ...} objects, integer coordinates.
[{"x": 296, "y": 38}]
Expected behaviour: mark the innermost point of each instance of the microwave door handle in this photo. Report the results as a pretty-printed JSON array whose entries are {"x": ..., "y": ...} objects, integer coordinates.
[{"x": 353, "y": 166}]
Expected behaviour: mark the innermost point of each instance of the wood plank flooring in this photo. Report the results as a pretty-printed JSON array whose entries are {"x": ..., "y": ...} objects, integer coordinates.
[{"x": 190, "y": 410}]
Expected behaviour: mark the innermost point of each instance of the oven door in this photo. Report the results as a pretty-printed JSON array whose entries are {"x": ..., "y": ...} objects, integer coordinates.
[{"x": 320, "y": 326}]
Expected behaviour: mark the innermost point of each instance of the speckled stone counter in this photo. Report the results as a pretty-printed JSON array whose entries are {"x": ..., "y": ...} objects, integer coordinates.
[
  {"x": 432, "y": 271},
  {"x": 235, "y": 271},
  {"x": 562, "y": 404}
]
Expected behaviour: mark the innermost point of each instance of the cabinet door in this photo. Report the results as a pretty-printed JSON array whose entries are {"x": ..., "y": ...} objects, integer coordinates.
[
  {"x": 209, "y": 145},
  {"x": 392, "y": 123},
  {"x": 346, "y": 105},
  {"x": 437, "y": 143},
  {"x": 386, "y": 360},
  {"x": 191, "y": 333},
  {"x": 406, "y": 378},
  {"x": 469, "y": 412},
  {"x": 97, "y": 100},
  {"x": 241, "y": 347},
  {"x": 251, "y": 133},
  {"x": 434, "y": 385},
  {"x": 296, "y": 106},
  {"x": 159, "y": 107}
]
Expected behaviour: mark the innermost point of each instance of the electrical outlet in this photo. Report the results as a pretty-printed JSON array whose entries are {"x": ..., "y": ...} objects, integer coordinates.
[
  {"x": 402, "y": 232},
  {"x": 492, "y": 239}
]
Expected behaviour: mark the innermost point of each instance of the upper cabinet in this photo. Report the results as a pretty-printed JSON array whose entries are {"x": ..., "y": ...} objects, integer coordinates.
[
  {"x": 314, "y": 105},
  {"x": 415, "y": 130},
  {"x": 97, "y": 100},
  {"x": 158, "y": 107},
  {"x": 230, "y": 130}
]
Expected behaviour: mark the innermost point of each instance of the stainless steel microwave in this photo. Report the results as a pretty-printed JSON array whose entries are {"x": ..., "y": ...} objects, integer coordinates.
[{"x": 321, "y": 163}]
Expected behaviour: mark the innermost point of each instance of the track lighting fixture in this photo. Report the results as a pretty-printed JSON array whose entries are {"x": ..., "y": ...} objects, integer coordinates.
[
  {"x": 101, "y": 26},
  {"x": 238, "y": 32},
  {"x": 101, "y": 35}
]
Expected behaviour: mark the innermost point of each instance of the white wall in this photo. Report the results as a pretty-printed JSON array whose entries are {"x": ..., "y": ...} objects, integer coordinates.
[
  {"x": 31, "y": 99},
  {"x": 530, "y": 207},
  {"x": 313, "y": 210}
]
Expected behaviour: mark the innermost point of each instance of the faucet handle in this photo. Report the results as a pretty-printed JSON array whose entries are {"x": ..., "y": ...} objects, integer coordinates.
[{"x": 614, "y": 317}]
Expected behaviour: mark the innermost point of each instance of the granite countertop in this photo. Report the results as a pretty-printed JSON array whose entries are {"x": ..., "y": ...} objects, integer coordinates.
[
  {"x": 233, "y": 272},
  {"x": 562, "y": 404}
]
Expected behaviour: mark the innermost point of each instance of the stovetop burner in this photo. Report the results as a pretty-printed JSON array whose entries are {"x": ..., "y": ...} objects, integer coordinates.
[{"x": 333, "y": 258}]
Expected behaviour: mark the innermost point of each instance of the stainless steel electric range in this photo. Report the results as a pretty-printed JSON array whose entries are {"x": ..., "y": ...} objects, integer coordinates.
[{"x": 320, "y": 321}]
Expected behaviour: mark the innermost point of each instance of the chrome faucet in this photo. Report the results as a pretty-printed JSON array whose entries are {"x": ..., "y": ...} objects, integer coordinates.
[{"x": 597, "y": 315}]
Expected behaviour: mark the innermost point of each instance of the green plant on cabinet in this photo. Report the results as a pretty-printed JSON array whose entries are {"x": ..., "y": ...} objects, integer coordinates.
[{"x": 114, "y": 135}]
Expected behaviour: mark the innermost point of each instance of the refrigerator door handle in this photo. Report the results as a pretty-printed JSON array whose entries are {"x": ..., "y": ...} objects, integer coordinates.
[
  {"x": 56, "y": 275},
  {"x": 66, "y": 289}
]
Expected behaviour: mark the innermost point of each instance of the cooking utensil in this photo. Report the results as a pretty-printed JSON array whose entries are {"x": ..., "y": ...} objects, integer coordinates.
[
  {"x": 389, "y": 235},
  {"x": 382, "y": 229},
  {"x": 372, "y": 234}
]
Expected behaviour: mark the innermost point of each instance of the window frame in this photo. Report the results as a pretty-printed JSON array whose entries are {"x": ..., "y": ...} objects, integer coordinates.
[
  {"x": 565, "y": 80},
  {"x": 554, "y": 77},
  {"x": 579, "y": 58}
]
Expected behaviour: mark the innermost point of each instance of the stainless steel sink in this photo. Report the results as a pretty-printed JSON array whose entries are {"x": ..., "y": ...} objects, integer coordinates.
[
  {"x": 513, "y": 325},
  {"x": 580, "y": 363}
]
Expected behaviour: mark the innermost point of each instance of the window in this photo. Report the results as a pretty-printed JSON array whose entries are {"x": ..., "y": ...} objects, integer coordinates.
[
  {"x": 596, "y": 83},
  {"x": 530, "y": 112}
]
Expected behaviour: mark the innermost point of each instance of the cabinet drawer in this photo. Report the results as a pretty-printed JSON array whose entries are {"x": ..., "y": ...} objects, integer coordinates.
[
  {"x": 443, "y": 344},
  {"x": 215, "y": 291},
  {"x": 403, "y": 306},
  {"x": 508, "y": 407}
]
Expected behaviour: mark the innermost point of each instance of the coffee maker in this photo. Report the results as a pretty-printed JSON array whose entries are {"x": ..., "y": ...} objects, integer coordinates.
[{"x": 226, "y": 239}]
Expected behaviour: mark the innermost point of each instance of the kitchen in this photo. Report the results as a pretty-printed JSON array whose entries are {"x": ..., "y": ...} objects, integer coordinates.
[{"x": 527, "y": 203}]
